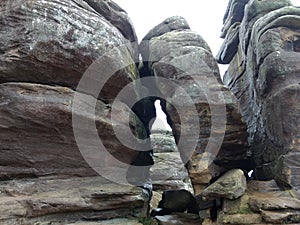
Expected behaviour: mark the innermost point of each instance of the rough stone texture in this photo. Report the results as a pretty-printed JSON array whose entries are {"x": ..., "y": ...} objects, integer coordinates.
[
  {"x": 174, "y": 55},
  {"x": 116, "y": 16},
  {"x": 281, "y": 217},
  {"x": 265, "y": 202},
  {"x": 168, "y": 171},
  {"x": 288, "y": 173},
  {"x": 54, "y": 42},
  {"x": 64, "y": 201},
  {"x": 230, "y": 45},
  {"x": 231, "y": 185},
  {"x": 42, "y": 116},
  {"x": 234, "y": 14},
  {"x": 236, "y": 206},
  {"x": 264, "y": 76},
  {"x": 119, "y": 19},
  {"x": 268, "y": 202},
  {"x": 45, "y": 49},
  {"x": 232, "y": 19}
]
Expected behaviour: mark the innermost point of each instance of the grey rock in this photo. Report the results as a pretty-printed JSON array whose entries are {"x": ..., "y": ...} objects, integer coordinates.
[
  {"x": 254, "y": 10},
  {"x": 263, "y": 76},
  {"x": 231, "y": 185},
  {"x": 169, "y": 24},
  {"x": 116, "y": 16},
  {"x": 270, "y": 202},
  {"x": 65, "y": 201},
  {"x": 168, "y": 172},
  {"x": 175, "y": 56},
  {"x": 234, "y": 14},
  {"x": 163, "y": 141},
  {"x": 241, "y": 219},
  {"x": 51, "y": 42},
  {"x": 281, "y": 217},
  {"x": 230, "y": 46},
  {"x": 288, "y": 170}
]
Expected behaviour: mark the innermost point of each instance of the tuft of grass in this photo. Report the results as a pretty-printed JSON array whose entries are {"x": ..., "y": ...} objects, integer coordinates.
[{"x": 245, "y": 211}]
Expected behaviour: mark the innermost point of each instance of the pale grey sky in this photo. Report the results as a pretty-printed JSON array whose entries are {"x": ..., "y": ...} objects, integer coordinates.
[{"x": 204, "y": 16}]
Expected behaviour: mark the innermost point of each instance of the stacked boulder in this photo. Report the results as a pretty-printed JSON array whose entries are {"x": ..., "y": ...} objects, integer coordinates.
[
  {"x": 262, "y": 49},
  {"x": 203, "y": 114},
  {"x": 46, "y": 49},
  {"x": 263, "y": 74}
]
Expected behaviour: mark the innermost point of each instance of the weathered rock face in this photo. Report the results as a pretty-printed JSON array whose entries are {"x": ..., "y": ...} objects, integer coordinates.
[
  {"x": 263, "y": 203},
  {"x": 168, "y": 171},
  {"x": 232, "y": 19},
  {"x": 231, "y": 185},
  {"x": 37, "y": 136},
  {"x": 178, "y": 218},
  {"x": 66, "y": 201},
  {"x": 46, "y": 49},
  {"x": 188, "y": 78},
  {"x": 54, "y": 42},
  {"x": 264, "y": 76}
]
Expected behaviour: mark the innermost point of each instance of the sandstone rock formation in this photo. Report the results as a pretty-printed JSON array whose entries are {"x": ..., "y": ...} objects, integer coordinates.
[
  {"x": 231, "y": 185},
  {"x": 168, "y": 171},
  {"x": 66, "y": 201},
  {"x": 46, "y": 49},
  {"x": 262, "y": 51},
  {"x": 263, "y": 75},
  {"x": 64, "y": 66},
  {"x": 202, "y": 111}
]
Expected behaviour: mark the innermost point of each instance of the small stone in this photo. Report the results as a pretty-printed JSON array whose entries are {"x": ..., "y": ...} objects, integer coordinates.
[{"x": 231, "y": 185}]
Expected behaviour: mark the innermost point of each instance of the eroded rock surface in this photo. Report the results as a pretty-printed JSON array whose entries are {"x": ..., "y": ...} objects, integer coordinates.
[
  {"x": 173, "y": 57},
  {"x": 264, "y": 76},
  {"x": 168, "y": 171},
  {"x": 47, "y": 174},
  {"x": 37, "y": 137},
  {"x": 231, "y": 185},
  {"x": 65, "y": 201}
]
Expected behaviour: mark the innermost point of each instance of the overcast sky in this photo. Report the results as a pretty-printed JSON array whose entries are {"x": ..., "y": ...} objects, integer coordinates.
[{"x": 204, "y": 16}]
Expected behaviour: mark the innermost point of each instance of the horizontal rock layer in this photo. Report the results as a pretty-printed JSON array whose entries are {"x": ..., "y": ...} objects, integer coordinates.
[
  {"x": 65, "y": 201},
  {"x": 264, "y": 76}
]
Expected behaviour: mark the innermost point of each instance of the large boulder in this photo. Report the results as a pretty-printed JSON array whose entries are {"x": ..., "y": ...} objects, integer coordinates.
[
  {"x": 231, "y": 185},
  {"x": 37, "y": 136},
  {"x": 51, "y": 42},
  {"x": 200, "y": 110},
  {"x": 69, "y": 45},
  {"x": 264, "y": 76},
  {"x": 62, "y": 64}
]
